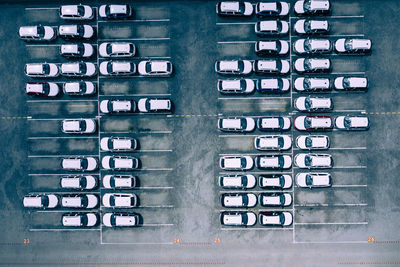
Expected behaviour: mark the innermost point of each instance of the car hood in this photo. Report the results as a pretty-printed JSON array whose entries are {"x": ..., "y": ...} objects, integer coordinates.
[
  {"x": 301, "y": 179},
  {"x": 288, "y": 218},
  {"x": 339, "y": 122},
  {"x": 300, "y": 103},
  {"x": 339, "y": 45},
  {"x": 299, "y": 64},
  {"x": 339, "y": 83},
  {"x": 299, "y": 123},
  {"x": 299, "y": 7},
  {"x": 92, "y": 201},
  {"x": 299, "y": 46},
  {"x": 299, "y": 84},
  {"x": 251, "y": 218},
  {"x": 299, "y": 26}
]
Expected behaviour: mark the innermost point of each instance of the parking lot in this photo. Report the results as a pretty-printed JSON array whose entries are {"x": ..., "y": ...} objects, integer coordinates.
[{"x": 179, "y": 194}]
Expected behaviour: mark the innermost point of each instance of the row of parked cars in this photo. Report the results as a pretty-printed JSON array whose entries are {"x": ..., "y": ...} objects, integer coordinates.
[
  {"x": 249, "y": 218},
  {"x": 90, "y": 182},
  {"x": 90, "y": 164}
]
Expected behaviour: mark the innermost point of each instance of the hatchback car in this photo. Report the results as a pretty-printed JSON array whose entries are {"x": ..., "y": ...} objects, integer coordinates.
[
  {"x": 79, "y": 126},
  {"x": 312, "y": 7},
  {"x": 237, "y": 181},
  {"x": 312, "y": 180},
  {"x": 117, "y": 68},
  {"x": 272, "y": 162},
  {"x": 234, "y": 8},
  {"x": 80, "y": 219},
  {"x": 310, "y": 26},
  {"x": 275, "y": 218},
  {"x": 120, "y": 181},
  {"x": 117, "y": 50},
  {"x": 271, "y": 48},
  {"x": 271, "y": 27},
  {"x": 242, "y": 200},
  {"x": 273, "y": 142},
  {"x": 78, "y": 182},
  {"x": 37, "y": 33},
  {"x": 121, "y": 219},
  {"x": 80, "y": 201},
  {"x": 237, "y": 86},
  {"x": 312, "y": 46},
  {"x": 236, "y": 124},
  {"x": 41, "y": 201},
  {"x": 115, "y": 11},
  {"x": 114, "y": 200},
  {"x": 120, "y": 163},
  {"x": 80, "y": 50},
  {"x": 42, "y": 89},
  {"x": 272, "y": 9},
  {"x": 348, "y": 45},
  {"x": 81, "y": 164},
  {"x": 236, "y": 163},
  {"x": 313, "y": 123},
  {"x": 311, "y": 84},
  {"x": 275, "y": 181},
  {"x": 306, "y": 65},
  {"x": 79, "y": 88},
  {"x": 117, "y": 106},
  {"x": 76, "y": 12},
  {"x": 78, "y": 69},
  {"x": 313, "y": 104},
  {"x": 118, "y": 144},
  {"x": 351, "y": 123},
  {"x": 154, "y": 105},
  {"x": 233, "y": 67},
  {"x": 313, "y": 161},
  {"x": 41, "y": 70},
  {"x": 76, "y": 31},
  {"x": 273, "y": 85},
  {"x": 275, "y": 199},
  {"x": 351, "y": 83},
  {"x": 312, "y": 142},
  {"x": 271, "y": 66},
  {"x": 277, "y": 123},
  {"x": 161, "y": 68},
  {"x": 238, "y": 218}
]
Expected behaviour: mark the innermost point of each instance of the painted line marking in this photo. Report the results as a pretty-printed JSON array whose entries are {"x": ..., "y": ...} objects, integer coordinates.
[
  {"x": 332, "y": 223},
  {"x": 345, "y": 17},
  {"x": 349, "y": 185},
  {"x": 134, "y": 39},
  {"x": 138, "y": 243},
  {"x": 254, "y": 98},
  {"x": 134, "y": 20},
  {"x": 154, "y": 150},
  {"x": 235, "y": 23},
  {"x": 137, "y": 95},
  {"x": 59, "y": 230},
  {"x": 59, "y": 100},
  {"x": 59, "y": 137},
  {"x": 40, "y": 8},
  {"x": 237, "y": 42},
  {"x": 349, "y": 110},
  {"x": 256, "y": 228},
  {"x": 155, "y": 169},
  {"x": 331, "y": 242},
  {"x": 331, "y": 205}
]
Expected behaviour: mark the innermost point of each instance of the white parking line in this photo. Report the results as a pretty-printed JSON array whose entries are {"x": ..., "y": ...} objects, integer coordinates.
[
  {"x": 155, "y": 187},
  {"x": 59, "y": 100},
  {"x": 134, "y": 39},
  {"x": 335, "y": 148},
  {"x": 40, "y": 8},
  {"x": 349, "y": 110},
  {"x": 68, "y": 193},
  {"x": 346, "y": 35},
  {"x": 61, "y": 229},
  {"x": 239, "y": 135},
  {"x": 138, "y": 243},
  {"x": 59, "y": 156},
  {"x": 331, "y": 242},
  {"x": 133, "y": 20},
  {"x": 137, "y": 95},
  {"x": 349, "y": 185},
  {"x": 350, "y": 167},
  {"x": 332, "y": 223},
  {"x": 331, "y": 205},
  {"x": 235, "y": 23},
  {"x": 257, "y": 172},
  {"x": 154, "y": 150},
  {"x": 252, "y": 191},
  {"x": 157, "y": 224},
  {"x": 54, "y": 119},
  {"x": 345, "y": 17},
  {"x": 155, "y": 206},
  {"x": 253, "y": 98},
  {"x": 56, "y": 174},
  {"x": 60, "y": 137},
  {"x": 237, "y": 42},
  {"x": 256, "y": 228},
  {"x": 349, "y": 73},
  {"x": 254, "y": 154},
  {"x": 155, "y": 169}
]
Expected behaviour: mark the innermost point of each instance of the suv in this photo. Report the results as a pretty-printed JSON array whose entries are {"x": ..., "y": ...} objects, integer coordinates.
[
  {"x": 118, "y": 144},
  {"x": 42, "y": 89},
  {"x": 271, "y": 27},
  {"x": 275, "y": 218},
  {"x": 237, "y": 181},
  {"x": 79, "y": 88},
  {"x": 271, "y": 162},
  {"x": 82, "y": 164},
  {"x": 117, "y": 50},
  {"x": 117, "y": 106},
  {"x": 273, "y": 142},
  {"x": 237, "y": 86},
  {"x": 113, "y": 200},
  {"x": 271, "y": 48},
  {"x": 348, "y": 45},
  {"x": 76, "y": 12},
  {"x": 155, "y": 68},
  {"x": 275, "y": 181},
  {"x": 311, "y": 180},
  {"x": 271, "y": 66},
  {"x": 154, "y": 105},
  {"x": 120, "y": 163},
  {"x": 242, "y": 200},
  {"x": 120, "y": 219},
  {"x": 351, "y": 83},
  {"x": 233, "y": 67},
  {"x": 116, "y": 68},
  {"x": 236, "y": 163},
  {"x": 236, "y": 124},
  {"x": 234, "y": 8},
  {"x": 87, "y": 201},
  {"x": 275, "y": 199},
  {"x": 80, "y": 126},
  {"x": 313, "y": 104},
  {"x": 308, "y": 26},
  {"x": 273, "y": 85},
  {"x": 272, "y": 9},
  {"x": 43, "y": 201},
  {"x": 37, "y": 33},
  {"x": 120, "y": 181},
  {"x": 238, "y": 218},
  {"x": 310, "y": 84},
  {"x": 352, "y": 123},
  {"x": 76, "y": 50},
  {"x": 306, "y": 65},
  {"x": 115, "y": 11},
  {"x": 312, "y": 46},
  {"x": 313, "y": 161},
  {"x": 41, "y": 70},
  {"x": 312, "y": 7},
  {"x": 278, "y": 123},
  {"x": 79, "y": 219},
  {"x": 78, "y": 69},
  {"x": 76, "y": 31},
  {"x": 79, "y": 182}
]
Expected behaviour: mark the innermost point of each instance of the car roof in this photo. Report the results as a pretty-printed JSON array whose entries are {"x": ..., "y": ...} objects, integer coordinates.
[
  {"x": 69, "y": 48},
  {"x": 159, "y": 66},
  {"x": 267, "y": 45},
  {"x": 126, "y": 181},
  {"x": 70, "y": 67},
  {"x": 159, "y": 103},
  {"x": 358, "y": 121},
  {"x": 122, "y": 162},
  {"x": 71, "y": 201},
  {"x": 69, "y": 220},
  {"x": 34, "y": 87},
  {"x": 319, "y": 4},
  {"x": 230, "y": 6},
  {"x": 363, "y": 43},
  {"x": 270, "y": 122},
  {"x": 232, "y": 162},
  {"x": 267, "y": 64},
  {"x": 269, "y": 142},
  {"x": 70, "y": 182},
  {"x": 118, "y": 8},
  {"x": 229, "y": 65},
  {"x": 34, "y": 68},
  {"x": 236, "y": 200},
  {"x": 121, "y": 66},
  {"x": 232, "y": 180},
  {"x": 120, "y": 47},
  {"x": 268, "y": 6},
  {"x": 231, "y": 123},
  {"x": 73, "y": 29},
  {"x": 319, "y": 24},
  {"x": 319, "y": 43},
  {"x": 28, "y": 30},
  {"x": 270, "y": 219},
  {"x": 121, "y": 143},
  {"x": 272, "y": 181},
  {"x": 320, "y": 122},
  {"x": 121, "y": 105},
  {"x": 232, "y": 219},
  {"x": 320, "y": 102},
  {"x": 270, "y": 83},
  {"x": 71, "y": 125},
  {"x": 33, "y": 201},
  {"x": 72, "y": 163},
  {"x": 122, "y": 200},
  {"x": 72, "y": 87},
  {"x": 268, "y": 200},
  {"x": 269, "y": 161},
  {"x": 69, "y": 10},
  {"x": 269, "y": 25},
  {"x": 318, "y": 82},
  {"x": 125, "y": 220},
  {"x": 231, "y": 84}
]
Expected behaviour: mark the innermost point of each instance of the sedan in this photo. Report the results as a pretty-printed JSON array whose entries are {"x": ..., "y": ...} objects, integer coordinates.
[
  {"x": 115, "y": 11},
  {"x": 312, "y": 46},
  {"x": 273, "y": 162},
  {"x": 272, "y": 9},
  {"x": 237, "y": 181},
  {"x": 238, "y": 218},
  {"x": 79, "y": 88},
  {"x": 120, "y": 163},
  {"x": 348, "y": 45},
  {"x": 236, "y": 163},
  {"x": 78, "y": 69},
  {"x": 271, "y": 48},
  {"x": 153, "y": 105},
  {"x": 271, "y": 27},
  {"x": 80, "y": 50},
  {"x": 275, "y": 181},
  {"x": 117, "y": 50},
  {"x": 87, "y": 201},
  {"x": 237, "y": 86},
  {"x": 78, "y": 182},
  {"x": 118, "y": 144},
  {"x": 117, "y": 68},
  {"x": 37, "y": 33},
  {"x": 76, "y": 31},
  {"x": 236, "y": 124},
  {"x": 121, "y": 219},
  {"x": 79, "y": 219},
  {"x": 43, "y": 201},
  {"x": 351, "y": 123},
  {"x": 313, "y": 123},
  {"x": 351, "y": 83},
  {"x": 275, "y": 199},
  {"x": 160, "y": 68},
  {"x": 117, "y": 106},
  {"x": 233, "y": 67},
  {"x": 312, "y": 142},
  {"x": 76, "y": 12},
  {"x": 312, "y": 180},
  {"x": 313, "y": 161},
  {"x": 277, "y": 123},
  {"x": 307, "y": 65},
  {"x": 113, "y": 200},
  {"x": 312, "y": 7},
  {"x": 82, "y": 164},
  {"x": 313, "y": 104},
  {"x": 273, "y": 85},
  {"x": 120, "y": 181},
  {"x": 78, "y": 126},
  {"x": 41, "y": 70},
  {"x": 42, "y": 89},
  {"x": 308, "y": 84},
  {"x": 308, "y": 26},
  {"x": 275, "y": 218},
  {"x": 242, "y": 200},
  {"x": 234, "y": 8},
  {"x": 271, "y": 66},
  {"x": 273, "y": 142}
]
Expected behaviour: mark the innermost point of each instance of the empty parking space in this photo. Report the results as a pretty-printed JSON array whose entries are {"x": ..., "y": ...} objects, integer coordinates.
[
  {"x": 138, "y": 87},
  {"x": 141, "y": 30}
]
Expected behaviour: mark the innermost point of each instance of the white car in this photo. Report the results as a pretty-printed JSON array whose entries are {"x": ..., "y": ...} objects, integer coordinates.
[
  {"x": 273, "y": 142},
  {"x": 313, "y": 123},
  {"x": 311, "y": 180},
  {"x": 76, "y": 12},
  {"x": 352, "y": 123},
  {"x": 79, "y": 50},
  {"x": 237, "y": 86},
  {"x": 82, "y": 164},
  {"x": 37, "y": 33},
  {"x": 310, "y": 26},
  {"x": 79, "y": 126},
  {"x": 310, "y": 84},
  {"x": 76, "y": 31},
  {"x": 79, "y": 88},
  {"x": 238, "y": 218},
  {"x": 234, "y": 8},
  {"x": 43, "y": 201},
  {"x": 117, "y": 106},
  {"x": 271, "y": 27},
  {"x": 271, "y": 48},
  {"x": 306, "y": 65},
  {"x": 160, "y": 68},
  {"x": 242, "y": 200},
  {"x": 270, "y": 9},
  {"x": 79, "y": 219},
  {"x": 237, "y": 181},
  {"x": 119, "y": 163},
  {"x": 312, "y": 7},
  {"x": 313, "y": 104},
  {"x": 233, "y": 67},
  {"x": 42, "y": 89},
  {"x": 236, "y": 124},
  {"x": 236, "y": 163},
  {"x": 116, "y": 68},
  {"x": 146, "y": 105},
  {"x": 87, "y": 201},
  {"x": 117, "y": 49},
  {"x": 271, "y": 66},
  {"x": 311, "y": 142},
  {"x": 119, "y": 181},
  {"x": 120, "y": 219},
  {"x": 348, "y": 45},
  {"x": 351, "y": 83},
  {"x": 275, "y": 218},
  {"x": 115, "y": 11},
  {"x": 114, "y": 200},
  {"x": 275, "y": 199},
  {"x": 41, "y": 70},
  {"x": 313, "y": 161},
  {"x": 272, "y": 162},
  {"x": 275, "y": 181},
  {"x": 78, "y": 69},
  {"x": 78, "y": 182},
  {"x": 118, "y": 144},
  {"x": 274, "y": 123},
  {"x": 273, "y": 85},
  {"x": 312, "y": 46}
]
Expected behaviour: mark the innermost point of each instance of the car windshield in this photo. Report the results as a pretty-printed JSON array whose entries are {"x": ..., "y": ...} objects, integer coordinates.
[
  {"x": 242, "y": 7},
  {"x": 148, "y": 67},
  {"x": 46, "y": 88},
  {"x": 308, "y": 160},
  {"x": 40, "y": 31},
  {"x": 109, "y": 49},
  {"x": 348, "y": 44},
  {"x": 84, "y": 219},
  {"x": 307, "y": 26},
  {"x": 308, "y": 103},
  {"x": 245, "y": 200},
  {"x": 240, "y": 65},
  {"x": 278, "y": 46},
  {"x": 112, "y": 181},
  {"x": 307, "y": 5},
  {"x": 279, "y": 26},
  {"x": 243, "y": 123},
  {"x": 82, "y": 125},
  {"x": 80, "y": 30},
  {"x": 281, "y": 161},
  {"x": 308, "y": 142},
  {"x": 82, "y": 67},
  {"x": 278, "y": 64},
  {"x": 347, "y": 122},
  {"x": 45, "y": 200},
  {"x": 307, "y": 83},
  {"x": 81, "y": 10},
  {"x": 307, "y": 64},
  {"x": 307, "y": 45},
  {"x": 109, "y": 67},
  {"x": 243, "y": 162},
  {"x": 346, "y": 83},
  {"x": 280, "y": 141},
  {"x": 244, "y": 180},
  {"x": 84, "y": 201},
  {"x": 282, "y": 198},
  {"x": 82, "y": 87},
  {"x": 84, "y": 163},
  {"x": 309, "y": 180},
  {"x": 281, "y": 181},
  {"x": 108, "y": 10},
  {"x": 281, "y": 122},
  {"x": 307, "y": 122},
  {"x": 82, "y": 182},
  {"x": 242, "y": 85},
  {"x": 112, "y": 163},
  {"x": 80, "y": 49},
  {"x": 244, "y": 218},
  {"x": 46, "y": 68},
  {"x": 112, "y": 200},
  {"x": 281, "y": 218},
  {"x": 113, "y": 219}
]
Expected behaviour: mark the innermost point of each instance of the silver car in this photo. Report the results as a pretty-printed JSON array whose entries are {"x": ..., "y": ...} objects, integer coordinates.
[
  {"x": 117, "y": 49},
  {"x": 313, "y": 104},
  {"x": 76, "y": 12}
]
